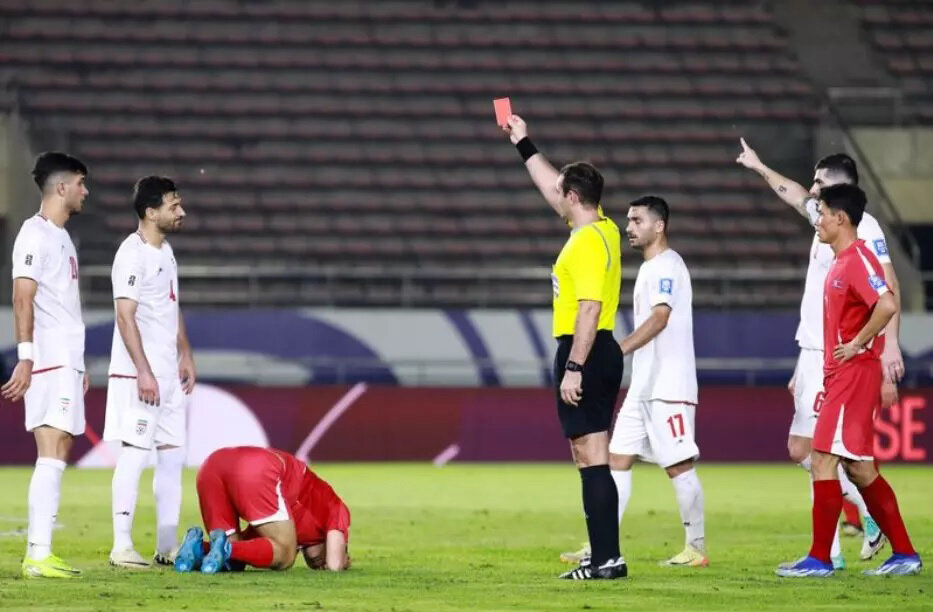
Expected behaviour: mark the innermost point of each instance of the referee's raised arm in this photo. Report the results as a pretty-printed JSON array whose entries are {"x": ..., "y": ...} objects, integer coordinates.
[{"x": 542, "y": 172}]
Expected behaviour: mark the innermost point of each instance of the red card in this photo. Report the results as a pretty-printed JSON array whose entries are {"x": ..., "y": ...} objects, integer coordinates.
[{"x": 503, "y": 108}]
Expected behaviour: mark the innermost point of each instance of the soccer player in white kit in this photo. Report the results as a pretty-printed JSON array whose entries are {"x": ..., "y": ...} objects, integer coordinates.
[
  {"x": 151, "y": 372},
  {"x": 806, "y": 385},
  {"x": 657, "y": 420},
  {"x": 50, "y": 372}
]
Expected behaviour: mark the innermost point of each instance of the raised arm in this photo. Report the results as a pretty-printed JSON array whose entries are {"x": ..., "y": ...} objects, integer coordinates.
[
  {"x": 794, "y": 194},
  {"x": 543, "y": 174},
  {"x": 24, "y": 292}
]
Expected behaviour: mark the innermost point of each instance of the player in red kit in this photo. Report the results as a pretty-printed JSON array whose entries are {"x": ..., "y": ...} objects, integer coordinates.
[
  {"x": 287, "y": 507},
  {"x": 857, "y": 304}
]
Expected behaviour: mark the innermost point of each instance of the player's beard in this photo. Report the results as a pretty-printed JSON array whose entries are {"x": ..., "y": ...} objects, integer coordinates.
[{"x": 171, "y": 227}]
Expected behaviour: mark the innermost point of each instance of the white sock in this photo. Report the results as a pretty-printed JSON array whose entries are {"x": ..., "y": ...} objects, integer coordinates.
[
  {"x": 689, "y": 493},
  {"x": 623, "y": 480},
  {"x": 125, "y": 489},
  {"x": 166, "y": 486},
  {"x": 851, "y": 493},
  {"x": 45, "y": 490}
]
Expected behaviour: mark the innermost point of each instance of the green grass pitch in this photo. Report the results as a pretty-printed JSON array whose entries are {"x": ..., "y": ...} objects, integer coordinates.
[{"x": 483, "y": 537}]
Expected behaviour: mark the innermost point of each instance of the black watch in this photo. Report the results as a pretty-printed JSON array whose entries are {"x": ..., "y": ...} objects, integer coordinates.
[{"x": 573, "y": 366}]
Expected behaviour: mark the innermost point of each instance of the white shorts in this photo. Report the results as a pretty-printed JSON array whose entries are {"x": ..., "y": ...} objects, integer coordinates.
[
  {"x": 656, "y": 431},
  {"x": 138, "y": 424},
  {"x": 808, "y": 391},
  {"x": 56, "y": 398}
]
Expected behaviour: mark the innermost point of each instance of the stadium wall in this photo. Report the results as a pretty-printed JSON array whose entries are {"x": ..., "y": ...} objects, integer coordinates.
[{"x": 377, "y": 423}]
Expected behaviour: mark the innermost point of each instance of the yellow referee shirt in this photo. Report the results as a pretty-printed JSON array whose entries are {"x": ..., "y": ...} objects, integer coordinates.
[{"x": 589, "y": 267}]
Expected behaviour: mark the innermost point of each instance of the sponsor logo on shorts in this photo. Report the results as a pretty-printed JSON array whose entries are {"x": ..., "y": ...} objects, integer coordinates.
[
  {"x": 65, "y": 402},
  {"x": 666, "y": 286},
  {"x": 881, "y": 247},
  {"x": 875, "y": 281},
  {"x": 141, "y": 426}
]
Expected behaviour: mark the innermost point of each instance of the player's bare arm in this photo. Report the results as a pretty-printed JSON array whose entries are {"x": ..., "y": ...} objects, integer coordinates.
[
  {"x": 542, "y": 172},
  {"x": 892, "y": 361},
  {"x": 24, "y": 292},
  {"x": 584, "y": 333},
  {"x": 884, "y": 309},
  {"x": 186, "y": 370},
  {"x": 129, "y": 332},
  {"x": 648, "y": 330},
  {"x": 791, "y": 192}
]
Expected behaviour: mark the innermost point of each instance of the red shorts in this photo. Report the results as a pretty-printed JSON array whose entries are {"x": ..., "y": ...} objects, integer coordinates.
[
  {"x": 241, "y": 483},
  {"x": 845, "y": 425}
]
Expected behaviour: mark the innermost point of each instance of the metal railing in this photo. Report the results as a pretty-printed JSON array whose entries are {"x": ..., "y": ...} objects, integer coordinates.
[{"x": 271, "y": 285}]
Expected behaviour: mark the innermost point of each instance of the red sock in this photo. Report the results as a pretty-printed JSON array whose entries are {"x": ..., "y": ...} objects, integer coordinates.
[
  {"x": 882, "y": 505},
  {"x": 827, "y": 504},
  {"x": 851, "y": 512},
  {"x": 257, "y": 552}
]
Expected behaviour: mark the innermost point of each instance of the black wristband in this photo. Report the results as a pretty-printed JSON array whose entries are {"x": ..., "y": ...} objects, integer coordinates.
[
  {"x": 573, "y": 366},
  {"x": 526, "y": 148}
]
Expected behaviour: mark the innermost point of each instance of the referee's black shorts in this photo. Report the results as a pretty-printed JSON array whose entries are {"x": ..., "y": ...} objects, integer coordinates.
[{"x": 602, "y": 377}]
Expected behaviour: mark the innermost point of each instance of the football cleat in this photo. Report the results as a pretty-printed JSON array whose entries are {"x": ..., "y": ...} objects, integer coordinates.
[
  {"x": 50, "y": 567},
  {"x": 610, "y": 570},
  {"x": 850, "y": 529},
  {"x": 578, "y": 556},
  {"x": 874, "y": 540},
  {"x": 191, "y": 552},
  {"x": 688, "y": 557},
  {"x": 897, "y": 565},
  {"x": 839, "y": 563},
  {"x": 216, "y": 558},
  {"x": 807, "y": 567},
  {"x": 129, "y": 559},
  {"x": 161, "y": 558}
]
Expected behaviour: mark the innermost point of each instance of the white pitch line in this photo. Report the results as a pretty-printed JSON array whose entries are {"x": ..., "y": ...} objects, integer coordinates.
[
  {"x": 446, "y": 455},
  {"x": 336, "y": 411}
]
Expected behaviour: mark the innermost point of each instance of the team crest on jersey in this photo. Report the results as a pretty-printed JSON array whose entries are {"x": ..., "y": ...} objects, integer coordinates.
[
  {"x": 141, "y": 426},
  {"x": 28, "y": 260},
  {"x": 875, "y": 281},
  {"x": 881, "y": 247},
  {"x": 666, "y": 286}
]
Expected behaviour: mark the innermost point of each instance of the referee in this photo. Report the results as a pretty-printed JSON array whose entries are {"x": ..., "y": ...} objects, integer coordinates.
[{"x": 588, "y": 365}]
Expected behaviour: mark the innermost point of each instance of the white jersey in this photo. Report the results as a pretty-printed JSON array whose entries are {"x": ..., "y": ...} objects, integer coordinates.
[
  {"x": 665, "y": 368},
  {"x": 149, "y": 277},
  {"x": 45, "y": 253},
  {"x": 810, "y": 331}
]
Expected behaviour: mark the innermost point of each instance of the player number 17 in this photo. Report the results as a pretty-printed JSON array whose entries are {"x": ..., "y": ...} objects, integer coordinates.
[{"x": 676, "y": 421}]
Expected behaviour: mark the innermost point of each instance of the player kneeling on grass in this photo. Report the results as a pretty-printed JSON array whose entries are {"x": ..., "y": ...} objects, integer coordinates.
[{"x": 287, "y": 506}]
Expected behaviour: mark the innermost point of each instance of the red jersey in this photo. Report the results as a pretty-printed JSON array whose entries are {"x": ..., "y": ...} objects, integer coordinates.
[
  {"x": 853, "y": 286},
  {"x": 313, "y": 504}
]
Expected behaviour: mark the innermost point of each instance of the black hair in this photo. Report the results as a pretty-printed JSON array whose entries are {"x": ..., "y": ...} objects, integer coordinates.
[
  {"x": 584, "y": 179},
  {"x": 848, "y": 198},
  {"x": 51, "y": 162},
  {"x": 839, "y": 163},
  {"x": 148, "y": 192},
  {"x": 656, "y": 205}
]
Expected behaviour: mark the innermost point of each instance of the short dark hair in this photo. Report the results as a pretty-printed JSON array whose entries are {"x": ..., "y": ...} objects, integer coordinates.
[
  {"x": 583, "y": 178},
  {"x": 839, "y": 163},
  {"x": 850, "y": 199},
  {"x": 148, "y": 193},
  {"x": 656, "y": 205},
  {"x": 50, "y": 162}
]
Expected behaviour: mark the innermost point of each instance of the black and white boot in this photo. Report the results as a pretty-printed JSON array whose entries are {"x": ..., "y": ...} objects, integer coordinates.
[{"x": 610, "y": 570}]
